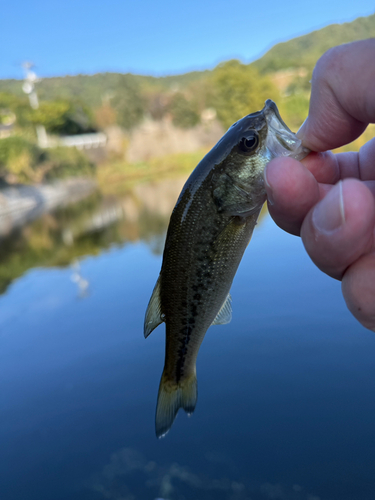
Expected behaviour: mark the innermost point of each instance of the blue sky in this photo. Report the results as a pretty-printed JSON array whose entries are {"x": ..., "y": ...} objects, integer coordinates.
[{"x": 154, "y": 37}]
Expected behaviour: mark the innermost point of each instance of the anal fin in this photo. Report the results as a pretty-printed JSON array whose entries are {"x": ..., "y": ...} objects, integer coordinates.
[
  {"x": 153, "y": 316},
  {"x": 224, "y": 316}
]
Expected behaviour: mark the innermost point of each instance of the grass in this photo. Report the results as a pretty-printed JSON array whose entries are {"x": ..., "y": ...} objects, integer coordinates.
[{"x": 119, "y": 176}]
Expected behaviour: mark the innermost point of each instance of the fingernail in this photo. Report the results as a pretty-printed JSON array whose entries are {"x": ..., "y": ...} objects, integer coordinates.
[
  {"x": 329, "y": 215},
  {"x": 269, "y": 189}
]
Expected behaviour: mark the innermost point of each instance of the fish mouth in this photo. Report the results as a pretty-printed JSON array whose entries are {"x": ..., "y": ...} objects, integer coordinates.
[{"x": 281, "y": 141}]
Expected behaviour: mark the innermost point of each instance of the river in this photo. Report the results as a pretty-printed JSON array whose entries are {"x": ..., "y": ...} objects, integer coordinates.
[{"x": 286, "y": 390}]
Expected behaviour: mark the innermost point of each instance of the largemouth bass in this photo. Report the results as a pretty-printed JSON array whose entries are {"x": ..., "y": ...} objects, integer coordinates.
[{"x": 209, "y": 230}]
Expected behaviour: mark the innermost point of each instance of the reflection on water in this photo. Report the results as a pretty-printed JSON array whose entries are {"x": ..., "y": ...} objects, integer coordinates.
[
  {"x": 129, "y": 473},
  {"x": 82, "y": 283},
  {"x": 286, "y": 389},
  {"x": 86, "y": 228}
]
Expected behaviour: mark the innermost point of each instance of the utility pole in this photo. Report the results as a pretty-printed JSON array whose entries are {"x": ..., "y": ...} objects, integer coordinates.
[{"x": 29, "y": 88}]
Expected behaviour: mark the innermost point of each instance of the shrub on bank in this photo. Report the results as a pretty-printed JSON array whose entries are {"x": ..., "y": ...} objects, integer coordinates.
[
  {"x": 19, "y": 159},
  {"x": 67, "y": 162},
  {"x": 24, "y": 162}
]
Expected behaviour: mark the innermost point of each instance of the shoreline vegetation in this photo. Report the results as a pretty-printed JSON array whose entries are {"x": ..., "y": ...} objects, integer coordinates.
[
  {"x": 22, "y": 203},
  {"x": 119, "y": 177},
  {"x": 154, "y": 127}
]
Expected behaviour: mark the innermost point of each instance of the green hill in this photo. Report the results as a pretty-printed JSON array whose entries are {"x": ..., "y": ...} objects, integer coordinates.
[
  {"x": 92, "y": 89},
  {"x": 305, "y": 50},
  {"x": 301, "y": 52}
]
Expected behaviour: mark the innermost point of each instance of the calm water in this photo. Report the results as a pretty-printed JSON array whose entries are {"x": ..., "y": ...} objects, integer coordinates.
[{"x": 286, "y": 390}]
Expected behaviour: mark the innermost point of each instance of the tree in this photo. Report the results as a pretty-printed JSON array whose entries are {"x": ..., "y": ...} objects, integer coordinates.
[
  {"x": 294, "y": 109},
  {"x": 128, "y": 103},
  {"x": 238, "y": 90},
  {"x": 184, "y": 112},
  {"x": 63, "y": 117}
]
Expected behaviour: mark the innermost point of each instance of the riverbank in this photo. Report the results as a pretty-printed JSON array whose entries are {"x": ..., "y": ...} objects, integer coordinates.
[{"x": 20, "y": 204}]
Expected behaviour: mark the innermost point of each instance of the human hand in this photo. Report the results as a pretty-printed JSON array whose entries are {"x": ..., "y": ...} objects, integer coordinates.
[{"x": 327, "y": 199}]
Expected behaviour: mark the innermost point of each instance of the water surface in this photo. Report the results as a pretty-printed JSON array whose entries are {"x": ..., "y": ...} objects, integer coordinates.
[{"x": 286, "y": 390}]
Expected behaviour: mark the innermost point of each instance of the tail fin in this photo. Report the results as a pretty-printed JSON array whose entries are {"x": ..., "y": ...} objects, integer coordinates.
[{"x": 173, "y": 396}]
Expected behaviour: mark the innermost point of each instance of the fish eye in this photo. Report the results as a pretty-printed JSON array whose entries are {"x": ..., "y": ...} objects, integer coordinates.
[{"x": 249, "y": 143}]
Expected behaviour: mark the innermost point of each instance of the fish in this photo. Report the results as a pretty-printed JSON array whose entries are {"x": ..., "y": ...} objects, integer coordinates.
[{"x": 209, "y": 230}]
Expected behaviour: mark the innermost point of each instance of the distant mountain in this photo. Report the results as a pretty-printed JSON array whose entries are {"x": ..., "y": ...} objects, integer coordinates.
[
  {"x": 305, "y": 50},
  {"x": 91, "y": 89},
  {"x": 301, "y": 52}
]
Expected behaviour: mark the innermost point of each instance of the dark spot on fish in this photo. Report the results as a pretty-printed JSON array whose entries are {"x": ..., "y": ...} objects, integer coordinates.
[
  {"x": 191, "y": 320},
  {"x": 182, "y": 351},
  {"x": 186, "y": 330},
  {"x": 197, "y": 296},
  {"x": 202, "y": 259}
]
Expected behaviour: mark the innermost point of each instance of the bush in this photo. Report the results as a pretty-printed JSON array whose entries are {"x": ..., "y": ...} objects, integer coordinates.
[
  {"x": 21, "y": 161},
  {"x": 67, "y": 162},
  {"x": 62, "y": 117},
  {"x": 19, "y": 158},
  {"x": 239, "y": 90}
]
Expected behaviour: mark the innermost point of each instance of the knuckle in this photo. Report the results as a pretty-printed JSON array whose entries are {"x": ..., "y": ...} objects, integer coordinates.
[{"x": 329, "y": 65}]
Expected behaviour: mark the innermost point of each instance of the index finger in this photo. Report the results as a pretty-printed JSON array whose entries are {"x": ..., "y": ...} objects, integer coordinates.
[
  {"x": 342, "y": 99},
  {"x": 294, "y": 188},
  {"x": 329, "y": 168}
]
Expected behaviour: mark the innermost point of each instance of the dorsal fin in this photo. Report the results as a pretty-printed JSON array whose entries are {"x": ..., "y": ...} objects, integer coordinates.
[
  {"x": 224, "y": 316},
  {"x": 153, "y": 316}
]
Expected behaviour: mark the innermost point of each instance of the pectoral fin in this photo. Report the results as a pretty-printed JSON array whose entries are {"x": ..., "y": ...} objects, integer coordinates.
[
  {"x": 153, "y": 316},
  {"x": 240, "y": 203},
  {"x": 224, "y": 316}
]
